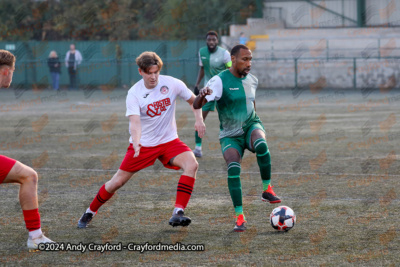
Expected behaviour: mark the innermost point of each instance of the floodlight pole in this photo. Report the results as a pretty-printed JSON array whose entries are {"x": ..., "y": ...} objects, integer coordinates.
[{"x": 361, "y": 15}]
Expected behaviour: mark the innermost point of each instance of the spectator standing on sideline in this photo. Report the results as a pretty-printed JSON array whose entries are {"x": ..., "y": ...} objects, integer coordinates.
[
  {"x": 72, "y": 59},
  {"x": 242, "y": 39},
  {"x": 55, "y": 69}
]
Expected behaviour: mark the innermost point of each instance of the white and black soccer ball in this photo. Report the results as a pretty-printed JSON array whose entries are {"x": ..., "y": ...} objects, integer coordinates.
[{"x": 282, "y": 218}]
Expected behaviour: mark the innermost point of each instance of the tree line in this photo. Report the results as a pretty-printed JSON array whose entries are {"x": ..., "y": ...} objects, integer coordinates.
[{"x": 57, "y": 20}]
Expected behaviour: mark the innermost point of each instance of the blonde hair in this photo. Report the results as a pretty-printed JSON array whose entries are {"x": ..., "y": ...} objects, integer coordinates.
[{"x": 53, "y": 54}]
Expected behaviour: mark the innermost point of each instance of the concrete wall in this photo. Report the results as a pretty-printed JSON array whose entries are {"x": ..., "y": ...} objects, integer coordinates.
[
  {"x": 318, "y": 73},
  {"x": 326, "y": 57},
  {"x": 300, "y": 14},
  {"x": 362, "y": 47}
]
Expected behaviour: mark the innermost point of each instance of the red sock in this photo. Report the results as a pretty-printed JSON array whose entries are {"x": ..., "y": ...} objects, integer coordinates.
[
  {"x": 184, "y": 191},
  {"x": 32, "y": 219},
  {"x": 101, "y": 198}
]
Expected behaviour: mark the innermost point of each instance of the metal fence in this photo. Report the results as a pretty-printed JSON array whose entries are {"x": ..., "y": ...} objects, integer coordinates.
[
  {"x": 97, "y": 73},
  {"x": 376, "y": 64},
  {"x": 104, "y": 63},
  {"x": 339, "y": 73}
]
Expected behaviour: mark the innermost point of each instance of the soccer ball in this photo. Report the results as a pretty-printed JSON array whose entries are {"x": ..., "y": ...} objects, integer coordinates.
[{"x": 282, "y": 218}]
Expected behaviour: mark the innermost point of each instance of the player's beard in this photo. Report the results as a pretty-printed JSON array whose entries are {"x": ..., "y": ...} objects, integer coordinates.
[
  {"x": 244, "y": 73},
  {"x": 213, "y": 49}
]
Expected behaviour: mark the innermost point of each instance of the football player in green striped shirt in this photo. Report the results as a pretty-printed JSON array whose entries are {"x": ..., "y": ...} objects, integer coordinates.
[
  {"x": 212, "y": 60},
  {"x": 234, "y": 91}
]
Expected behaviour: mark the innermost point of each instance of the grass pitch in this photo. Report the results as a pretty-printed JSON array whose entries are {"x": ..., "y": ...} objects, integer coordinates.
[{"x": 334, "y": 161}]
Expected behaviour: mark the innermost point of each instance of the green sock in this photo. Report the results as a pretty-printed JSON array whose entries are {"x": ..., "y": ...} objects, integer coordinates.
[
  {"x": 238, "y": 211},
  {"x": 264, "y": 161},
  {"x": 235, "y": 186},
  {"x": 266, "y": 183},
  {"x": 197, "y": 139}
]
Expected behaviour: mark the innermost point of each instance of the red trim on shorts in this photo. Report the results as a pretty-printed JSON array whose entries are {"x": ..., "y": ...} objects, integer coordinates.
[
  {"x": 148, "y": 155},
  {"x": 6, "y": 165}
]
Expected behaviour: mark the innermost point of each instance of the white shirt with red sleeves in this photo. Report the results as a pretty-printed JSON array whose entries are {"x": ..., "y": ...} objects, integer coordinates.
[{"x": 156, "y": 108}]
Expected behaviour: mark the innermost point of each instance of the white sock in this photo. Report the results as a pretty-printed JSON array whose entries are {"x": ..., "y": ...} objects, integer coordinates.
[
  {"x": 176, "y": 210},
  {"x": 198, "y": 147},
  {"x": 90, "y": 211},
  {"x": 35, "y": 233}
]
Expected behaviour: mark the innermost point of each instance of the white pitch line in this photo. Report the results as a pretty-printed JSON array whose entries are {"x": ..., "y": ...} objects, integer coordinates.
[
  {"x": 207, "y": 195},
  {"x": 223, "y": 171}
]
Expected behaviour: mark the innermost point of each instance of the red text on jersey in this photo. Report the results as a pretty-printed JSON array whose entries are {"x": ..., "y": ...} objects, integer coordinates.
[{"x": 157, "y": 107}]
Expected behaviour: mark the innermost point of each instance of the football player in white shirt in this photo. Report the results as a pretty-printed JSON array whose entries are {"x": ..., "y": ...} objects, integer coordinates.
[{"x": 150, "y": 107}]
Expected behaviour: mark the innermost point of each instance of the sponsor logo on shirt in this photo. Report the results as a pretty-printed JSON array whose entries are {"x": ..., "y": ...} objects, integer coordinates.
[
  {"x": 146, "y": 95},
  {"x": 156, "y": 108},
  {"x": 233, "y": 88},
  {"x": 164, "y": 89},
  {"x": 203, "y": 57}
]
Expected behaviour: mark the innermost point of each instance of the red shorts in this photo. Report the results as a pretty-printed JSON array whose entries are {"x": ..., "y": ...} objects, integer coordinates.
[
  {"x": 148, "y": 155},
  {"x": 6, "y": 165}
]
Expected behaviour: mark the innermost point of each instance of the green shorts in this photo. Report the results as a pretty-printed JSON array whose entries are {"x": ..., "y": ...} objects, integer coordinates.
[
  {"x": 209, "y": 106},
  {"x": 241, "y": 142}
]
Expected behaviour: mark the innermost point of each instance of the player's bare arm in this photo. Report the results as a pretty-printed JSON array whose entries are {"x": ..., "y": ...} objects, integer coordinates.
[
  {"x": 201, "y": 100},
  {"x": 150, "y": 107},
  {"x": 136, "y": 130},
  {"x": 13, "y": 171},
  {"x": 200, "y": 76},
  {"x": 199, "y": 123}
]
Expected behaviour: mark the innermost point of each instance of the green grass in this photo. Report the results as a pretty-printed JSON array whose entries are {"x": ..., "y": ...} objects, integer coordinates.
[{"x": 345, "y": 196}]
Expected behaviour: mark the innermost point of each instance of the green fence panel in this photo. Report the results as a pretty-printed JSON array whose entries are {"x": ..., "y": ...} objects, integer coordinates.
[{"x": 104, "y": 63}]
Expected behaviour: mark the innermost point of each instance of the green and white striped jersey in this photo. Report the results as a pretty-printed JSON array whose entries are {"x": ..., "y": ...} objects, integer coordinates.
[{"x": 235, "y": 101}]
